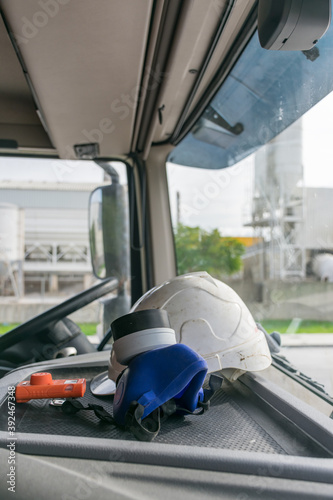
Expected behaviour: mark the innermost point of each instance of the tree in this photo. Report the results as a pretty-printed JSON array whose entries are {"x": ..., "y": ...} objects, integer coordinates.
[{"x": 199, "y": 250}]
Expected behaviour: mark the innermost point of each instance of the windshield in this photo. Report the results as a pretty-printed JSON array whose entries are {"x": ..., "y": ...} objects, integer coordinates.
[
  {"x": 264, "y": 226},
  {"x": 44, "y": 237}
]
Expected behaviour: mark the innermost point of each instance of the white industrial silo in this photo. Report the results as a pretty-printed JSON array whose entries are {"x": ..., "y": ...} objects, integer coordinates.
[
  {"x": 322, "y": 266},
  {"x": 278, "y": 203},
  {"x": 12, "y": 245}
]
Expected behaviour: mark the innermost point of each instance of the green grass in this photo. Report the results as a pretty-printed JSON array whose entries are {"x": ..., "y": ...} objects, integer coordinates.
[
  {"x": 87, "y": 328},
  {"x": 306, "y": 326},
  {"x": 5, "y": 327},
  {"x": 270, "y": 325}
]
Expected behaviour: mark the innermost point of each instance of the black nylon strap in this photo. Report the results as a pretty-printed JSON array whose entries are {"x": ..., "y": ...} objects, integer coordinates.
[
  {"x": 133, "y": 418},
  {"x": 215, "y": 383},
  {"x": 167, "y": 409},
  {"x": 133, "y": 422},
  {"x": 70, "y": 407}
]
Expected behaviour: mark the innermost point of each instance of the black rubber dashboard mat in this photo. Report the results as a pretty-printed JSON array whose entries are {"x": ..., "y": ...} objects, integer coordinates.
[{"x": 225, "y": 425}]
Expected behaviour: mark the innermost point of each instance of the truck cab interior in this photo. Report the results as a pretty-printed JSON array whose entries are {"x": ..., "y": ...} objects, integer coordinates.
[{"x": 142, "y": 84}]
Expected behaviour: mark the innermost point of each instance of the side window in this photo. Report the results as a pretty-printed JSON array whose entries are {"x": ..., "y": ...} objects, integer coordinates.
[{"x": 44, "y": 242}]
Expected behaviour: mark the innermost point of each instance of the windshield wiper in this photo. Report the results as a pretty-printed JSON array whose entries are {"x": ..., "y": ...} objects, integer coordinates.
[{"x": 284, "y": 363}]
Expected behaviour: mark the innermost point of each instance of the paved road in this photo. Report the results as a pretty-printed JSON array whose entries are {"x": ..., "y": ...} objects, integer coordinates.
[{"x": 313, "y": 360}]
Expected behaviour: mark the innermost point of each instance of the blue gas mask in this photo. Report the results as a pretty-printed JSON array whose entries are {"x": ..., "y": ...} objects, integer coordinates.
[{"x": 162, "y": 377}]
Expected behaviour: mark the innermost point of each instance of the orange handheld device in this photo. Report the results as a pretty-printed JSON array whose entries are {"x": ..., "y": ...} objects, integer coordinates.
[{"x": 41, "y": 386}]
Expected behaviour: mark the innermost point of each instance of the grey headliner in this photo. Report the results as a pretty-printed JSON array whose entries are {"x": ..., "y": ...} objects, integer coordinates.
[{"x": 80, "y": 64}]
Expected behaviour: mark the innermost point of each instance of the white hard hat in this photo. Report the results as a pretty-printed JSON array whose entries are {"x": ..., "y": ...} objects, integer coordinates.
[{"x": 208, "y": 316}]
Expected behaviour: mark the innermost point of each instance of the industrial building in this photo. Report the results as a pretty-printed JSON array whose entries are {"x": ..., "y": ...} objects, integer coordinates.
[
  {"x": 294, "y": 222},
  {"x": 44, "y": 237}
]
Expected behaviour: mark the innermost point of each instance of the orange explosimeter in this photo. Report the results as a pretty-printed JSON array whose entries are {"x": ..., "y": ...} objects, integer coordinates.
[{"x": 41, "y": 386}]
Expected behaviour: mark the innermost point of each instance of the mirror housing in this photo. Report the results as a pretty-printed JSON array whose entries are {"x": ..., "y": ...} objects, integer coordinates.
[
  {"x": 292, "y": 24},
  {"x": 109, "y": 231}
]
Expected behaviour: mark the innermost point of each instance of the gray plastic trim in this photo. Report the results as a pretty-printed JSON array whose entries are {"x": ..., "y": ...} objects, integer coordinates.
[
  {"x": 259, "y": 464},
  {"x": 309, "y": 420}
]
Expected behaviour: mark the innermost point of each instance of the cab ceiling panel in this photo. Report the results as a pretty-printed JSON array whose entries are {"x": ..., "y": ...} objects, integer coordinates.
[
  {"x": 18, "y": 118},
  {"x": 84, "y": 60}
]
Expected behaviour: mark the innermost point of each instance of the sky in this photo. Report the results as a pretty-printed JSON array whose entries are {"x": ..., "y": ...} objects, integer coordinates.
[
  {"x": 59, "y": 171},
  {"x": 318, "y": 144},
  {"x": 211, "y": 199},
  {"x": 45, "y": 170}
]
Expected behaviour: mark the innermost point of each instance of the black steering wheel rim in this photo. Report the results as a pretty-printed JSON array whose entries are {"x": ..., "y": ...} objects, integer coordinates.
[{"x": 51, "y": 316}]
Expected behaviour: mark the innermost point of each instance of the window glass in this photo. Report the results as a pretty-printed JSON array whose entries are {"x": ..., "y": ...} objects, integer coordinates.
[
  {"x": 44, "y": 241},
  {"x": 265, "y": 227}
]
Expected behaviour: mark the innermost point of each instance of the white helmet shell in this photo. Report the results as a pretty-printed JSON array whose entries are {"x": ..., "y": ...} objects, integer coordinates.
[{"x": 208, "y": 316}]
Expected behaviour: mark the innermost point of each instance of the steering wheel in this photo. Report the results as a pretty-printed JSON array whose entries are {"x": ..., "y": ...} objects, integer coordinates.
[{"x": 51, "y": 316}]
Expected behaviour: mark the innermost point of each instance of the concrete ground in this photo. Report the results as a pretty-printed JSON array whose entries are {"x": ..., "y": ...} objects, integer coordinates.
[
  {"x": 14, "y": 310},
  {"x": 312, "y": 354}
]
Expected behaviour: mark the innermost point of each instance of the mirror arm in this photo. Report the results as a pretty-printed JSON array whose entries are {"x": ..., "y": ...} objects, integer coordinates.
[{"x": 112, "y": 172}]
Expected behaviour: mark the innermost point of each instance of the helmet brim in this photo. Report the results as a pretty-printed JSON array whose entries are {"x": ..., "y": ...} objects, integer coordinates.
[{"x": 101, "y": 385}]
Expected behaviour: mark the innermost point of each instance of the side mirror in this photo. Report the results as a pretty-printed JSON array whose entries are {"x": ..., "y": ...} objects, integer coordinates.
[
  {"x": 292, "y": 24},
  {"x": 109, "y": 231}
]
